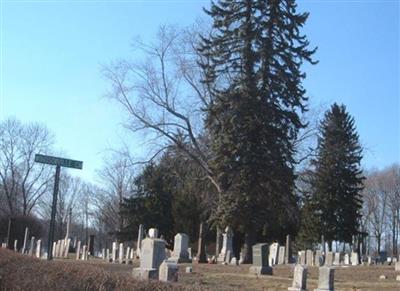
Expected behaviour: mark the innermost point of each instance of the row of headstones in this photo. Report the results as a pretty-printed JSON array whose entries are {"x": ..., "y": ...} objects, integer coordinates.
[
  {"x": 121, "y": 255},
  {"x": 318, "y": 259},
  {"x": 35, "y": 248}
]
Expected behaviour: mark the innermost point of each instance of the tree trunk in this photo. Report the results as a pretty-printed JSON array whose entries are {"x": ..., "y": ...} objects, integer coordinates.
[
  {"x": 329, "y": 245},
  {"x": 201, "y": 247},
  {"x": 249, "y": 239},
  {"x": 378, "y": 237},
  {"x": 218, "y": 242}
]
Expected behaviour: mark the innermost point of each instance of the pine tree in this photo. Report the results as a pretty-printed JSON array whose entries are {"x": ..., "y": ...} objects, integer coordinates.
[
  {"x": 337, "y": 181},
  {"x": 254, "y": 58}
]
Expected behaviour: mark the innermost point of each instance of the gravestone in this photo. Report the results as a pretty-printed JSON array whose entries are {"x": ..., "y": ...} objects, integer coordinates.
[
  {"x": 168, "y": 272},
  {"x": 84, "y": 253},
  {"x": 288, "y": 250},
  {"x": 108, "y": 255},
  {"x": 337, "y": 259},
  {"x": 151, "y": 256},
  {"x": 16, "y": 245},
  {"x": 325, "y": 279},
  {"x": 139, "y": 240},
  {"x": 346, "y": 259},
  {"x": 226, "y": 246},
  {"x": 66, "y": 249},
  {"x": 329, "y": 259},
  {"x": 153, "y": 233},
  {"x": 32, "y": 245},
  {"x": 78, "y": 249},
  {"x": 309, "y": 258},
  {"x": 273, "y": 254},
  {"x": 354, "y": 259},
  {"x": 180, "y": 253},
  {"x": 114, "y": 252},
  {"x": 281, "y": 255},
  {"x": 318, "y": 259},
  {"x": 127, "y": 258},
  {"x": 302, "y": 258},
  {"x": 25, "y": 241},
  {"x": 260, "y": 260},
  {"x": 397, "y": 266},
  {"x": 54, "y": 250},
  {"x": 39, "y": 249},
  {"x": 299, "y": 279},
  {"x": 121, "y": 253},
  {"x": 103, "y": 253}
]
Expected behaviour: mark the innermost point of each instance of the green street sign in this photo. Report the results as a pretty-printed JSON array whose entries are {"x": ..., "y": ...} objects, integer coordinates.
[{"x": 58, "y": 161}]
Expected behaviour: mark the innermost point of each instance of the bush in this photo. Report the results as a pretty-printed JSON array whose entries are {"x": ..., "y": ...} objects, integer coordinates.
[{"x": 19, "y": 272}]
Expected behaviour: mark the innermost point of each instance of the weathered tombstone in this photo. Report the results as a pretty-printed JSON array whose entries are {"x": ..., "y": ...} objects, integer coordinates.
[
  {"x": 114, "y": 252},
  {"x": 369, "y": 260},
  {"x": 61, "y": 247},
  {"x": 139, "y": 240},
  {"x": 302, "y": 258},
  {"x": 354, "y": 259},
  {"x": 299, "y": 279},
  {"x": 25, "y": 241},
  {"x": 103, "y": 253},
  {"x": 318, "y": 259},
  {"x": 397, "y": 266},
  {"x": 78, "y": 249},
  {"x": 132, "y": 254},
  {"x": 32, "y": 245},
  {"x": 325, "y": 279},
  {"x": 3, "y": 245},
  {"x": 346, "y": 259},
  {"x": 260, "y": 260},
  {"x": 226, "y": 246},
  {"x": 309, "y": 258},
  {"x": 190, "y": 253},
  {"x": 121, "y": 253},
  {"x": 227, "y": 258},
  {"x": 16, "y": 245},
  {"x": 273, "y": 254},
  {"x": 337, "y": 259},
  {"x": 153, "y": 233},
  {"x": 54, "y": 250},
  {"x": 84, "y": 253},
  {"x": 188, "y": 269},
  {"x": 234, "y": 261},
  {"x": 151, "y": 256},
  {"x": 281, "y": 255},
  {"x": 168, "y": 272},
  {"x": 39, "y": 248},
  {"x": 288, "y": 250},
  {"x": 180, "y": 253},
  {"x": 107, "y": 255},
  {"x": 329, "y": 259}
]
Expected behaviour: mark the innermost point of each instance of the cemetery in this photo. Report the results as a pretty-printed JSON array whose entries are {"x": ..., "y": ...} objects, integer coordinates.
[{"x": 199, "y": 145}]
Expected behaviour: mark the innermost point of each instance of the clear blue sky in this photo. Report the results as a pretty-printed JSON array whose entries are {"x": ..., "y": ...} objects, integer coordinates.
[{"x": 52, "y": 52}]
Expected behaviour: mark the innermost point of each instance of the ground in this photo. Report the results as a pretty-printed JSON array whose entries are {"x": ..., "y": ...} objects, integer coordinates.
[{"x": 220, "y": 277}]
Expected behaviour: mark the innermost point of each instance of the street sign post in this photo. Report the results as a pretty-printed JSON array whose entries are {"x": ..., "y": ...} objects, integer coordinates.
[{"x": 58, "y": 162}]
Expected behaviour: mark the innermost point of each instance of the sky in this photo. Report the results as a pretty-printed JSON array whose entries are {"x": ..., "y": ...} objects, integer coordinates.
[{"x": 52, "y": 53}]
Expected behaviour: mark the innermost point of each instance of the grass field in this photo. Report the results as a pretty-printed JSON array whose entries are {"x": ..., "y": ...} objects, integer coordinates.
[{"x": 204, "y": 276}]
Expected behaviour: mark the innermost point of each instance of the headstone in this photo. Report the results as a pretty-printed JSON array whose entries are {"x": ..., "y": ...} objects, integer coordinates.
[
  {"x": 16, "y": 245},
  {"x": 354, "y": 259},
  {"x": 369, "y": 260},
  {"x": 190, "y": 253},
  {"x": 180, "y": 253},
  {"x": 382, "y": 277},
  {"x": 121, "y": 253},
  {"x": 227, "y": 258},
  {"x": 398, "y": 278},
  {"x": 39, "y": 249},
  {"x": 325, "y": 279},
  {"x": 54, "y": 249},
  {"x": 151, "y": 256},
  {"x": 78, "y": 249},
  {"x": 153, "y": 233},
  {"x": 66, "y": 249},
  {"x": 309, "y": 258},
  {"x": 302, "y": 258},
  {"x": 346, "y": 259},
  {"x": 132, "y": 254},
  {"x": 226, "y": 246},
  {"x": 234, "y": 261},
  {"x": 188, "y": 269},
  {"x": 103, "y": 253},
  {"x": 25, "y": 241},
  {"x": 139, "y": 240},
  {"x": 318, "y": 259},
  {"x": 329, "y": 259},
  {"x": 299, "y": 279},
  {"x": 397, "y": 266},
  {"x": 288, "y": 250},
  {"x": 337, "y": 259},
  {"x": 61, "y": 248},
  {"x": 281, "y": 255},
  {"x": 84, "y": 253},
  {"x": 32, "y": 245},
  {"x": 260, "y": 260},
  {"x": 114, "y": 252},
  {"x": 3, "y": 245},
  {"x": 273, "y": 254},
  {"x": 107, "y": 255},
  {"x": 168, "y": 272}
]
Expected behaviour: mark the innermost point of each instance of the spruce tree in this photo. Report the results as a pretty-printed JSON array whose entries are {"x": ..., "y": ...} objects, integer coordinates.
[
  {"x": 337, "y": 181},
  {"x": 254, "y": 63}
]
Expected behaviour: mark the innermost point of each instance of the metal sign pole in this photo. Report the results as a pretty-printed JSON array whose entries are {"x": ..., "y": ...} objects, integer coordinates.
[{"x": 53, "y": 214}]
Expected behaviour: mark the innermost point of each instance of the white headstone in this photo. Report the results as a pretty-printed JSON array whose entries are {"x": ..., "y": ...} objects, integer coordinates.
[
  {"x": 32, "y": 245},
  {"x": 168, "y": 272},
  {"x": 346, "y": 259},
  {"x": 139, "y": 240},
  {"x": 15, "y": 245},
  {"x": 153, "y": 233},
  {"x": 84, "y": 253},
  {"x": 121, "y": 253},
  {"x": 128, "y": 251},
  {"x": 66, "y": 248},
  {"x": 354, "y": 258},
  {"x": 181, "y": 253},
  {"x": 25, "y": 241},
  {"x": 39, "y": 248},
  {"x": 325, "y": 279},
  {"x": 151, "y": 256},
  {"x": 273, "y": 254},
  {"x": 114, "y": 252},
  {"x": 227, "y": 245},
  {"x": 281, "y": 255},
  {"x": 336, "y": 260},
  {"x": 78, "y": 249},
  {"x": 299, "y": 278},
  {"x": 309, "y": 258}
]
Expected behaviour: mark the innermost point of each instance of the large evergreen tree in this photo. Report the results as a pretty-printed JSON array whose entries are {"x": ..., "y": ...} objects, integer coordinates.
[
  {"x": 337, "y": 180},
  {"x": 254, "y": 54}
]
